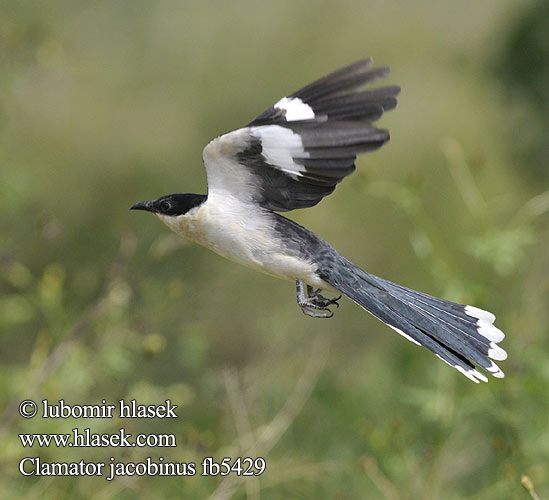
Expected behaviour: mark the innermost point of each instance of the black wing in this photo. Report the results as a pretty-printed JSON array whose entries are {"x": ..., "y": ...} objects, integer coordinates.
[{"x": 296, "y": 152}]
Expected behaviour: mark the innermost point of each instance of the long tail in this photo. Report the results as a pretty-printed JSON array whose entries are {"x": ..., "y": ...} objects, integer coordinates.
[{"x": 462, "y": 336}]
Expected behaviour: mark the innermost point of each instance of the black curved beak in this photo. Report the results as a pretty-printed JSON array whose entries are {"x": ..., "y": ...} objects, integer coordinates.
[{"x": 143, "y": 205}]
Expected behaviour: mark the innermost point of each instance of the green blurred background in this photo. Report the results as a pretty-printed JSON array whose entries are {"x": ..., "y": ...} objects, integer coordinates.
[{"x": 106, "y": 103}]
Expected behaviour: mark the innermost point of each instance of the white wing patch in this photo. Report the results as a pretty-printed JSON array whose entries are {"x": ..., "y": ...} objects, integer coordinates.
[
  {"x": 280, "y": 146},
  {"x": 295, "y": 109}
]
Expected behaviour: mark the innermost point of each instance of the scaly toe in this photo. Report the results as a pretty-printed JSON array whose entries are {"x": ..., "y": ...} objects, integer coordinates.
[
  {"x": 314, "y": 309},
  {"x": 317, "y": 313}
]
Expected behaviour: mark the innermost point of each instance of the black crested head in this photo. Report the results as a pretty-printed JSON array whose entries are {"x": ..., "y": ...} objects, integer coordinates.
[{"x": 171, "y": 204}]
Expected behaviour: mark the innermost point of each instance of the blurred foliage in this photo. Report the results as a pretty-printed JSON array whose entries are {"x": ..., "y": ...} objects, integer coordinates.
[
  {"x": 522, "y": 66},
  {"x": 107, "y": 103}
]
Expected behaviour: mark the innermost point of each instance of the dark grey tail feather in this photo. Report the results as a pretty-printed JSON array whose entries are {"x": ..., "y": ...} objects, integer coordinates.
[{"x": 461, "y": 335}]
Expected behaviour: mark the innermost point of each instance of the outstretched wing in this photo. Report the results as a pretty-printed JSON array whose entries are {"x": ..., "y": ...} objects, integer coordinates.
[{"x": 296, "y": 152}]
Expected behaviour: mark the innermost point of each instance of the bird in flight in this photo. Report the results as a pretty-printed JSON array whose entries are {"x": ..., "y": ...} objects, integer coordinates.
[{"x": 291, "y": 156}]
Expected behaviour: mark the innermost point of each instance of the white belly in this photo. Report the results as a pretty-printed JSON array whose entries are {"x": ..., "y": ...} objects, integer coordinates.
[{"x": 244, "y": 234}]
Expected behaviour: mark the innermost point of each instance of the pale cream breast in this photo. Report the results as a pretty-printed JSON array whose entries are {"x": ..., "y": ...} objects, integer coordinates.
[{"x": 243, "y": 234}]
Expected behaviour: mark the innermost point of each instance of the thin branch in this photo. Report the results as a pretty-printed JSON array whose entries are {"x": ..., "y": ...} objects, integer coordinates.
[
  {"x": 270, "y": 434},
  {"x": 97, "y": 309},
  {"x": 465, "y": 182},
  {"x": 528, "y": 485},
  {"x": 385, "y": 487},
  {"x": 533, "y": 208},
  {"x": 243, "y": 426}
]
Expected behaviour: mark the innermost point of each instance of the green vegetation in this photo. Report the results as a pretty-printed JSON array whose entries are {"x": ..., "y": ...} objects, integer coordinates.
[{"x": 103, "y": 104}]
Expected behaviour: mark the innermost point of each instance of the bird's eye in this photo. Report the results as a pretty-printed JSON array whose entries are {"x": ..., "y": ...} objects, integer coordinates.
[{"x": 165, "y": 205}]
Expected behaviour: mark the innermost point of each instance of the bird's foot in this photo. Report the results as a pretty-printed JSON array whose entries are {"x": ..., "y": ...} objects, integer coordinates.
[
  {"x": 320, "y": 300},
  {"x": 313, "y": 303}
]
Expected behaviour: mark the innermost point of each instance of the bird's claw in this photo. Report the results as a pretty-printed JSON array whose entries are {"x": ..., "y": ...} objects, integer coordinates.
[
  {"x": 322, "y": 301},
  {"x": 316, "y": 305},
  {"x": 314, "y": 310}
]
